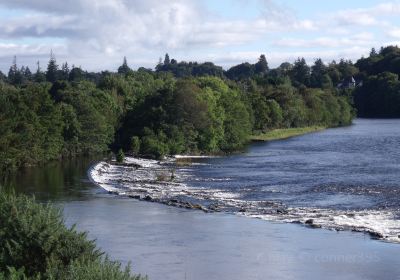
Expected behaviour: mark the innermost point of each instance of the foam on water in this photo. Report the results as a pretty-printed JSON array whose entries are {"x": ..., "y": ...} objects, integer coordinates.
[{"x": 163, "y": 182}]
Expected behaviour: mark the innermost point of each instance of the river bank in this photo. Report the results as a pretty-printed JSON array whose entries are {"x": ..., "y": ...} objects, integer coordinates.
[{"x": 284, "y": 133}]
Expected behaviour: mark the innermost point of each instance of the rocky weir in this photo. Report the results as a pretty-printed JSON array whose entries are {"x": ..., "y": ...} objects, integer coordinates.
[{"x": 164, "y": 182}]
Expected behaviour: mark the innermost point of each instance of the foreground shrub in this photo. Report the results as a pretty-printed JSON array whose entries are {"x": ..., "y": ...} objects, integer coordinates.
[{"x": 36, "y": 244}]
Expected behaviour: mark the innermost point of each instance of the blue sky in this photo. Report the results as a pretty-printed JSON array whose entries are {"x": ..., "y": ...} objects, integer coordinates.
[{"x": 96, "y": 34}]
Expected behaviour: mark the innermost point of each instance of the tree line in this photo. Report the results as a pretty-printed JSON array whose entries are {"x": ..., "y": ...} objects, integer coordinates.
[
  {"x": 379, "y": 96},
  {"x": 179, "y": 107}
]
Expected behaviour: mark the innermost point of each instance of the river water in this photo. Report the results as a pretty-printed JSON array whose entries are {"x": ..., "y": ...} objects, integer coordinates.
[{"x": 343, "y": 179}]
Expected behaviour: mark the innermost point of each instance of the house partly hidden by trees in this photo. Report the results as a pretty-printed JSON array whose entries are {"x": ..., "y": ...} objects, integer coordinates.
[{"x": 349, "y": 83}]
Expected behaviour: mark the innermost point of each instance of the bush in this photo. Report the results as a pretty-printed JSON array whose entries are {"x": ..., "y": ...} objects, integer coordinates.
[
  {"x": 120, "y": 156},
  {"x": 151, "y": 146},
  {"x": 35, "y": 244}
]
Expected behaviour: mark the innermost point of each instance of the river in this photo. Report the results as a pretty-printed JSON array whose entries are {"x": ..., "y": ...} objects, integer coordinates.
[{"x": 343, "y": 179}]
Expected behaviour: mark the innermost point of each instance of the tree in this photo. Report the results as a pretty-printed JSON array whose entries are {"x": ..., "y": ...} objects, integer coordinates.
[
  {"x": 52, "y": 69},
  {"x": 64, "y": 71},
  {"x": 241, "y": 71},
  {"x": 300, "y": 74},
  {"x": 14, "y": 74},
  {"x": 27, "y": 74},
  {"x": 261, "y": 67},
  {"x": 318, "y": 70},
  {"x": 373, "y": 52},
  {"x": 124, "y": 68},
  {"x": 120, "y": 156},
  {"x": 166, "y": 59},
  {"x": 76, "y": 74},
  {"x": 39, "y": 75}
]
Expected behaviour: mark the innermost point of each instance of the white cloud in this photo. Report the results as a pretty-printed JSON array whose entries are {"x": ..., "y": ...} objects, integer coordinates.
[
  {"x": 277, "y": 57},
  {"x": 394, "y": 32},
  {"x": 98, "y": 33},
  {"x": 359, "y": 39},
  {"x": 373, "y": 16}
]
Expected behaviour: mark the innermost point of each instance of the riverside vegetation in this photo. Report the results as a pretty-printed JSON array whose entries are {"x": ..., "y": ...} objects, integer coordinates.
[
  {"x": 35, "y": 244},
  {"x": 178, "y": 108}
]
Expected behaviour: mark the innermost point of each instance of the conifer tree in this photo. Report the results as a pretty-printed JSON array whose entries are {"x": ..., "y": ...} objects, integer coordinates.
[
  {"x": 124, "y": 68},
  {"x": 13, "y": 72},
  {"x": 65, "y": 71},
  {"x": 262, "y": 65},
  {"x": 52, "y": 69},
  {"x": 166, "y": 59},
  {"x": 39, "y": 75}
]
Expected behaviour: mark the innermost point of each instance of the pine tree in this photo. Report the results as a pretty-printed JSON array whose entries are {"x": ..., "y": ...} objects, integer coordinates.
[
  {"x": 373, "y": 52},
  {"x": 65, "y": 71},
  {"x": 262, "y": 65},
  {"x": 27, "y": 73},
  {"x": 124, "y": 68},
  {"x": 39, "y": 76},
  {"x": 166, "y": 59},
  {"x": 52, "y": 69},
  {"x": 14, "y": 74}
]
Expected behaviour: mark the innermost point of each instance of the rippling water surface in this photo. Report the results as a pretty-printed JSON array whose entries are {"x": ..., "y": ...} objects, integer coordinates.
[{"x": 354, "y": 167}]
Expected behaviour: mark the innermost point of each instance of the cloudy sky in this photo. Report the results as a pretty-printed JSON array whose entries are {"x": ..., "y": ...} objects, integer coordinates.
[{"x": 96, "y": 34}]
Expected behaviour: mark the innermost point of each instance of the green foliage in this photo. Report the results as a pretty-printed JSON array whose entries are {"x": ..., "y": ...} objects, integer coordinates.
[
  {"x": 31, "y": 126},
  {"x": 379, "y": 96},
  {"x": 35, "y": 244},
  {"x": 261, "y": 67},
  {"x": 120, "y": 156},
  {"x": 135, "y": 145},
  {"x": 124, "y": 68},
  {"x": 52, "y": 69},
  {"x": 187, "y": 69},
  {"x": 160, "y": 113}
]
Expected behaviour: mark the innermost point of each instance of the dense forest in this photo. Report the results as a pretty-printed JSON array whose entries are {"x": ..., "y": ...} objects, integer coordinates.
[
  {"x": 180, "y": 107},
  {"x": 379, "y": 96}
]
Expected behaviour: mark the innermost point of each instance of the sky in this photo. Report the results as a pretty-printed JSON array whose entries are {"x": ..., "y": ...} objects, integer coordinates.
[{"x": 97, "y": 34}]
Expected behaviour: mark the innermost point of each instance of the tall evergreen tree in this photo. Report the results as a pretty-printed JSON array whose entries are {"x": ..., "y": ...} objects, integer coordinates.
[
  {"x": 318, "y": 70},
  {"x": 166, "y": 59},
  {"x": 39, "y": 76},
  {"x": 300, "y": 73},
  {"x": 13, "y": 72},
  {"x": 52, "y": 69},
  {"x": 261, "y": 66},
  {"x": 65, "y": 71},
  {"x": 27, "y": 74},
  {"x": 124, "y": 68}
]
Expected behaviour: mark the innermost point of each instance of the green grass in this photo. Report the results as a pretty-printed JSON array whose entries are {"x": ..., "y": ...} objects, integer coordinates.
[{"x": 285, "y": 133}]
